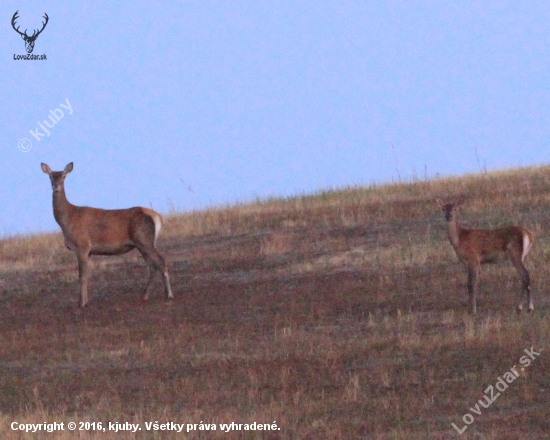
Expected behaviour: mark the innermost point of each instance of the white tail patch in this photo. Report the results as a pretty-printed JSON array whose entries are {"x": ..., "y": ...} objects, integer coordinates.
[
  {"x": 157, "y": 220},
  {"x": 158, "y": 225},
  {"x": 526, "y": 247}
]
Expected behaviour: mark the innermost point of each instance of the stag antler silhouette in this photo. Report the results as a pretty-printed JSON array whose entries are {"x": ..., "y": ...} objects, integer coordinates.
[{"x": 29, "y": 41}]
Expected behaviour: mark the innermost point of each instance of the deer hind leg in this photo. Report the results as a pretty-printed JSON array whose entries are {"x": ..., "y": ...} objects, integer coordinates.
[
  {"x": 517, "y": 261},
  {"x": 155, "y": 262},
  {"x": 473, "y": 281},
  {"x": 83, "y": 274}
]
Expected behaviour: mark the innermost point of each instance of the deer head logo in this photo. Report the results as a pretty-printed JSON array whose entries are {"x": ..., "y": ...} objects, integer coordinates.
[{"x": 29, "y": 40}]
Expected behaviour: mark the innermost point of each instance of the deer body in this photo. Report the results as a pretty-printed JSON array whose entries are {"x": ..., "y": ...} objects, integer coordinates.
[
  {"x": 88, "y": 231},
  {"x": 475, "y": 247}
]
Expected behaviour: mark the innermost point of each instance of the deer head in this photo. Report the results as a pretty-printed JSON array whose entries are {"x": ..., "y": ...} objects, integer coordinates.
[
  {"x": 450, "y": 208},
  {"x": 29, "y": 40}
]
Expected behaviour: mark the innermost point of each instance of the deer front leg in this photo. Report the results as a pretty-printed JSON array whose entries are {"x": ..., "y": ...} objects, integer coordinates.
[
  {"x": 473, "y": 278},
  {"x": 83, "y": 274}
]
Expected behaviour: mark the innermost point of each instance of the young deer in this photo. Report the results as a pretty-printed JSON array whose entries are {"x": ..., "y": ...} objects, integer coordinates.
[
  {"x": 479, "y": 246},
  {"x": 90, "y": 231}
]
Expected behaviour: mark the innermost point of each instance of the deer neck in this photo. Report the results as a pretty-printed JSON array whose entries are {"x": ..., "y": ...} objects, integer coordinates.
[
  {"x": 61, "y": 207},
  {"x": 453, "y": 230}
]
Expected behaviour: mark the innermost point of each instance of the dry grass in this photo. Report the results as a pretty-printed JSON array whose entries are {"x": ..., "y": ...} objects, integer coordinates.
[{"x": 338, "y": 315}]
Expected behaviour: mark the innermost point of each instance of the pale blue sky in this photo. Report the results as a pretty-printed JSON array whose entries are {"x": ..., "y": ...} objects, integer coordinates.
[{"x": 249, "y": 99}]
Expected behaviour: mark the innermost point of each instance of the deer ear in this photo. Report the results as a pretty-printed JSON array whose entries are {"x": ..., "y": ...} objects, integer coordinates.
[
  {"x": 46, "y": 168},
  {"x": 439, "y": 202},
  {"x": 460, "y": 200},
  {"x": 68, "y": 168}
]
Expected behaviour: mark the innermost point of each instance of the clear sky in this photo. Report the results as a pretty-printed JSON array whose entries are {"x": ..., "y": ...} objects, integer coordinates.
[{"x": 189, "y": 104}]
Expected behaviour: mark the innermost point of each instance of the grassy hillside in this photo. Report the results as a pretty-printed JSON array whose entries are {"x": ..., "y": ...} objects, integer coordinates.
[{"x": 337, "y": 315}]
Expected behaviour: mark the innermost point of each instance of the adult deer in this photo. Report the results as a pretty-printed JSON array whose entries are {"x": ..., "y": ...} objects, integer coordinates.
[
  {"x": 89, "y": 231},
  {"x": 480, "y": 246}
]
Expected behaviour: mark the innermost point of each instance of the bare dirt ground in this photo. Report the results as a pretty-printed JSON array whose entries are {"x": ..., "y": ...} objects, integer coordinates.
[{"x": 338, "y": 316}]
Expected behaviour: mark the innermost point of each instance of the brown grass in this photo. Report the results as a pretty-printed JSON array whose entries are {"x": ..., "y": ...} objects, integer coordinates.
[{"x": 338, "y": 315}]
